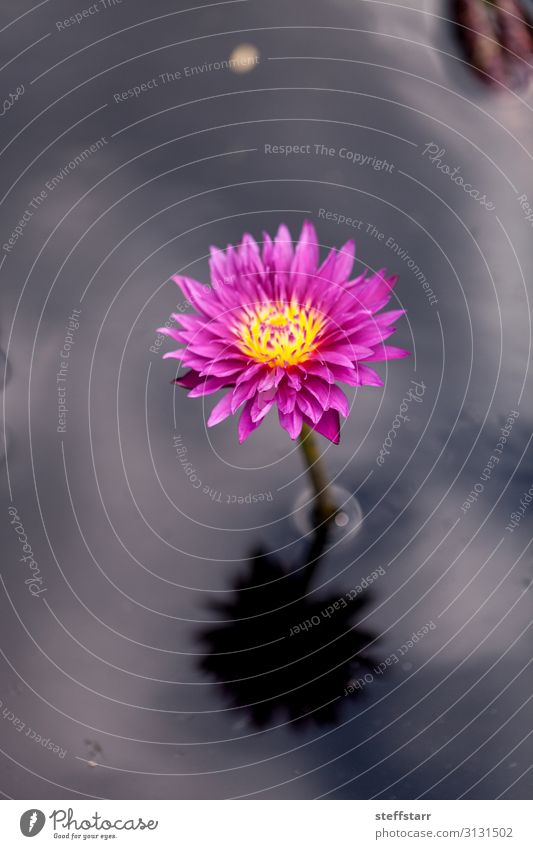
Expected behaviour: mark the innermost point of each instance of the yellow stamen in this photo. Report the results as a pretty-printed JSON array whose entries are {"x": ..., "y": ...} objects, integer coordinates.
[{"x": 279, "y": 334}]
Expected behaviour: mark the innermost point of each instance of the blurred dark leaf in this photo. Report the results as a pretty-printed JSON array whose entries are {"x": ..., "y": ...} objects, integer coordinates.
[{"x": 496, "y": 38}]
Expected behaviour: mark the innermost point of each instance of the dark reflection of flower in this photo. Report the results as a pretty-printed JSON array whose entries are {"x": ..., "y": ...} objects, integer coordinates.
[
  {"x": 282, "y": 652},
  {"x": 496, "y": 37}
]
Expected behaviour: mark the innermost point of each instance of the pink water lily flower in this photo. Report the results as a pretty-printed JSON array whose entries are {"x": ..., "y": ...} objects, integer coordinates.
[{"x": 278, "y": 328}]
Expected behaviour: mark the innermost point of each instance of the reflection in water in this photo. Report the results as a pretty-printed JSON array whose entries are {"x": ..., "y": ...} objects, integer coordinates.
[
  {"x": 283, "y": 651},
  {"x": 5, "y": 371}
]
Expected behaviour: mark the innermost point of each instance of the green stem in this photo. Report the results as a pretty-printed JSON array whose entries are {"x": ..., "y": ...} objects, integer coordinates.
[{"x": 325, "y": 508}]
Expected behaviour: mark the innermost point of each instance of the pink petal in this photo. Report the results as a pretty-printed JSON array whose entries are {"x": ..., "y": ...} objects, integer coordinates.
[
  {"x": 373, "y": 335},
  {"x": 260, "y": 407},
  {"x": 330, "y": 356},
  {"x": 309, "y": 406},
  {"x": 346, "y": 375},
  {"x": 217, "y": 266},
  {"x": 326, "y": 272},
  {"x": 233, "y": 265},
  {"x": 319, "y": 388},
  {"x": 286, "y": 398},
  {"x": 189, "y": 321},
  {"x": 222, "y": 368},
  {"x": 293, "y": 379},
  {"x": 220, "y": 411},
  {"x": 367, "y": 376},
  {"x": 271, "y": 378},
  {"x": 359, "y": 376},
  {"x": 291, "y": 422},
  {"x": 344, "y": 263},
  {"x": 352, "y": 351},
  {"x": 374, "y": 292},
  {"x": 352, "y": 337},
  {"x": 249, "y": 372},
  {"x": 242, "y": 393},
  {"x": 319, "y": 369},
  {"x": 170, "y": 331},
  {"x": 328, "y": 426},
  {"x": 268, "y": 251},
  {"x": 180, "y": 354},
  {"x": 250, "y": 257},
  {"x": 385, "y": 319},
  {"x": 198, "y": 295}
]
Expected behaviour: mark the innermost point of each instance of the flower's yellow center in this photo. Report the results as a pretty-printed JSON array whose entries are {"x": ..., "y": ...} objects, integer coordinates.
[{"x": 279, "y": 334}]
